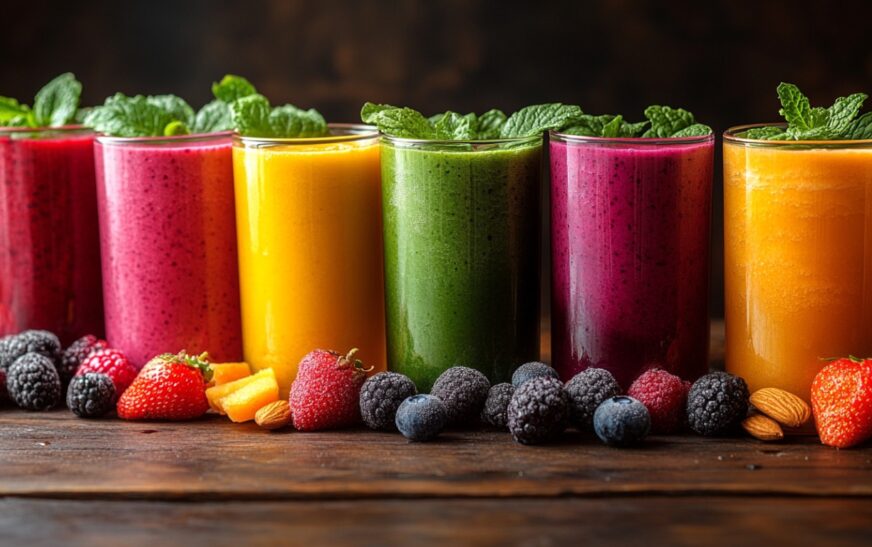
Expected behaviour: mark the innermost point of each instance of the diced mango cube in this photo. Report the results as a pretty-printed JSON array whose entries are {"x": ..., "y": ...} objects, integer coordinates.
[
  {"x": 216, "y": 393},
  {"x": 223, "y": 373},
  {"x": 243, "y": 404}
]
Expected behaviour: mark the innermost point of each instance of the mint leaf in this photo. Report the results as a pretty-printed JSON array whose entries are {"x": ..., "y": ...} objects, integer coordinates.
[
  {"x": 613, "y": 128},
  {"x": 232, "y": 87},
  {"x": 213, "y": 117},
  {"x": 399, "y": 122},
  {"x": 175, "y": 128},
  {"x": 861, "y": 128},
  {"x": 250, "y": 116},
  {"x": 290, "y": 121},
  {"x": 176, "y": 107},
  {"x": 490, "y": 124},
  {"x": 843, "y": 112},
  {"x": 454, "y": 126},
  {"x": 56, "y": 103},
  {"x": 605, "y": 125},
  {"x": 695, "y": 130},
  {"x": 762, "y": 133},
  {"x": 81, "y": 114},
  {"x": 796, "y": 109},
  {"x": 122, "y": 116},
  {"x": 666, "y": 121},
  {"x": 10, "y": 109},
  {"x": 805, "y": 122},
  {"x": 536, "y": 119}
]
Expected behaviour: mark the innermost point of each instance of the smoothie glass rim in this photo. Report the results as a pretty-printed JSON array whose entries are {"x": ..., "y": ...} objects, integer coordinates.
[
  {"x": 731, "y": 136},
  {"x": 51, "y": 132},
  {"x": 339, "y": 133},
  {"x": 557, "y": 136},
  {"x": 163, "y": 140},
  {"x": 477, "y": 144}
]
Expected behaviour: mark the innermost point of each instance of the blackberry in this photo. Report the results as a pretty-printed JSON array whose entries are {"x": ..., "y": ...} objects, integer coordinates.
[
  {"x": 33, "y": 382},
  {"x": 421, "y": 417},
  {"x": 587, "y": 390},
  {"x": 91, "y": 395},
  {"x": 77, "y": 352},
  {"x": 30, "y": 341},
  {"x": 717, "y": 403},
  {"x": 496, "y": 408},
  {"x": 621, "y": 421},
  {"x": 464, "y": 391},
  {"x": 381, "y": 396},
  {"x": 532, "y": 370},
  {"x": 538, "y": 411},
  {"x": 3, "y": 394}
]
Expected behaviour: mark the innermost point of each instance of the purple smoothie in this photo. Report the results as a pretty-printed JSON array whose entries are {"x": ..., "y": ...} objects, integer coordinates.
[
  {"x": 630, "y": 223},
  {"x": 168, "y": 238}
]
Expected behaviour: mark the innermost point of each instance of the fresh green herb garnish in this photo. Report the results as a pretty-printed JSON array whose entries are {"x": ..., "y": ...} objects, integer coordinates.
[
  {"x": 140, "y": 116},
  {"x": 55, "y": 105},
  {"x": 405, "y": 122},
  {"x": 663, "y": 122},
  {"x": 253, "y": 117},
  {"x": 215, "y": 115},
  {"x": 805, "y": 122}
]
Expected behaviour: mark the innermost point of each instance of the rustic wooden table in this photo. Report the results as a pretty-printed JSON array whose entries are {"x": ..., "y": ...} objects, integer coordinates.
[{"x": 212, "y": 482}]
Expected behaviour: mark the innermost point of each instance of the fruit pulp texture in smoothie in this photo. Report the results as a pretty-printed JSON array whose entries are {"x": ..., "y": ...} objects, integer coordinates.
[
  {"x": 461, "y": 259},
  {"x": 798, "y": 261},
  {"x": 49, "y": 236},
  {"x": 310, "y": 252},
  {"x": 630, "y": 257},
  {"x": 169, "y": 248}
]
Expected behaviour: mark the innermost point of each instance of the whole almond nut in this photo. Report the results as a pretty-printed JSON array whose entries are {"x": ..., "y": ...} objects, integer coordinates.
[
  {"x": 782, "y": 406},
  {"x": 275, "y": 415},
  {"x": 762, "y": 427}
]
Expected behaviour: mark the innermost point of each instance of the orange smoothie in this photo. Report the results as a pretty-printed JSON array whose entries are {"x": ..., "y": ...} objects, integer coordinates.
[
  {"x": 308, "y": 215},
  {"x": 798, "y": 258}
]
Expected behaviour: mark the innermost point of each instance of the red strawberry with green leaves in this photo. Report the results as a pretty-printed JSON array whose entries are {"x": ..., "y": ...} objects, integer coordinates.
[
  {"x": 326, "y": 391},
  {"x": 169, "y": 387},
  {"x": 841, "y": 399}
]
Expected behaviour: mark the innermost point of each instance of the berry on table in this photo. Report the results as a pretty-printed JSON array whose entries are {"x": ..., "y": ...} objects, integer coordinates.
[
  {"x": 531, "y": 370},
  {"x": 841, "y": 399},
  {"x": 326, "y": 392},
  {"x": 30, "y": 341},
  {"x": 587, "y": 390},
  {"x": 496, "y": 408},
  {"x": 621, "y": 421},
  {"x": 421, "y": 417},
  {"x": 4, "y": 395},
  {"x": 91, "y": 395},
  {"x": 538, "y": 411},
  {"x": 169, "y": 387},
  {"x": 463, "y": 390},
  {"x": 76, "y": 353},
  {"x": 717, "y": 403},
  {"x": 33, "y": 382},
  {"x": 381, "y": 396},
  {"x": 665, "y": 397},
  {"x": 113, "y": 364}
]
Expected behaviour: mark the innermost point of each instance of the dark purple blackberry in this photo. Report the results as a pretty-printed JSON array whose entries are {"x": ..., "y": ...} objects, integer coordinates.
[
  {"x": 496, "y": 408},
  {"x": 532, "y": 370},
  {"x": 464, "y": 391},
  {"x": 587, "y": 390},
  {"x": 4, "y": 396},
  {"x": 30, "y": 341},
  {"x": 538, "y": 411},
  {"x": 77, "y": 352},
  {"x": 91, "y": 395},
  {"x": 717, "y": 403},
  {"x": 33, "y": 382},
  {"x": 381, "y": 396}
]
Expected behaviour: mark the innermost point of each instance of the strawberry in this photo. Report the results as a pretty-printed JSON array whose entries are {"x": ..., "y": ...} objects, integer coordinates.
[
  {"x": 113, "y": 364},
  {"x": 841, "y": 399},
  {"x": 326, "y": 391},
  {"x": 169, "y": 387}
]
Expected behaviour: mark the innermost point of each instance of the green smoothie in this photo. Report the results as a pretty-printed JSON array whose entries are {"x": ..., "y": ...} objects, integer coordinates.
[{"x": 461, "y": 230}]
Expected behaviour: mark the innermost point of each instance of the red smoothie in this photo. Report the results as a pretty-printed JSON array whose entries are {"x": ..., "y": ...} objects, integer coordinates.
[
  {"x": 168, "y": 238},
  {"x": 630, "y": 227},
  {"x": 49, "y": 239}
]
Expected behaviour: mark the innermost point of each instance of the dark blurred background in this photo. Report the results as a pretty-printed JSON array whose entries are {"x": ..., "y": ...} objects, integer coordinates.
[{"x": 721, "y": 59}]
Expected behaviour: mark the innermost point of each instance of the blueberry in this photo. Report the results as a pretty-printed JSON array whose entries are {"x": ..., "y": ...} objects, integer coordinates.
[
  {"x": 531, "y": 370},
  {"x": 421, "y": 417},
  {"x": 621, "y": 421}
]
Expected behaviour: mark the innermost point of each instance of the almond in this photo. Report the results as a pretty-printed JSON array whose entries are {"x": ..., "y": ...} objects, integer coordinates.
[
  {"x": 782, "y": 406},
  {"x": 762, "y": 427},
  {"x": 274, "y": 415}
]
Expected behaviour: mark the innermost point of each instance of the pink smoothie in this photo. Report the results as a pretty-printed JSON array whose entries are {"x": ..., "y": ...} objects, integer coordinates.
[
  {"x": 168, "y": 238},
  {"x": 630, "y": 254},
  {"x": 49, "y": 240}
]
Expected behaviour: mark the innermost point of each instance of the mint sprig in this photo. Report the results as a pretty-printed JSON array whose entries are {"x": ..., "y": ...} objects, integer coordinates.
[
  {"x": 253, "y": 116},
  {"x": 140, "y": 116},
  {"x": 55, "y": 105},
  {"x": 215, "y": 115},
  {"x": 605, "y": 125},
  {"x": 805, "y": 122},
  {"x": 663, "y": 122}
]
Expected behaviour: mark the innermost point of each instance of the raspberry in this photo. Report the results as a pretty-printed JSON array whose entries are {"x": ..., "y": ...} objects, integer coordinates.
[
  {"x": 91, "y": 395},
  {"x": 381, "y": 396},
  {"x": 464, "y": 391},
  {"x": 532, "y": 370},
  {"x": 587, "y": 390},
  {"x": 33, "y": 382},
  {"x": 77, "y": 352},
  {"x": 538, "y": 411},
  {"x": 496, "y": 408},
  {"x": 113, "y": 364},
  {"x": 665, "y": 397},
  {"x": 717, "y": 403}
]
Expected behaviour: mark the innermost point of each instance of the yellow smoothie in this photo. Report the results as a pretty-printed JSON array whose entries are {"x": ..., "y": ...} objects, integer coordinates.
[
  {"x": 798, "y": 258},
  {"x": 308, "y": 214}
]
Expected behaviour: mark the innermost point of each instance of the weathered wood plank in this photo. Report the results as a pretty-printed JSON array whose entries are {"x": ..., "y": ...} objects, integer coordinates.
[
  {"x": 55, "y": 454},
  {"x": 624, "y": 521}
]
